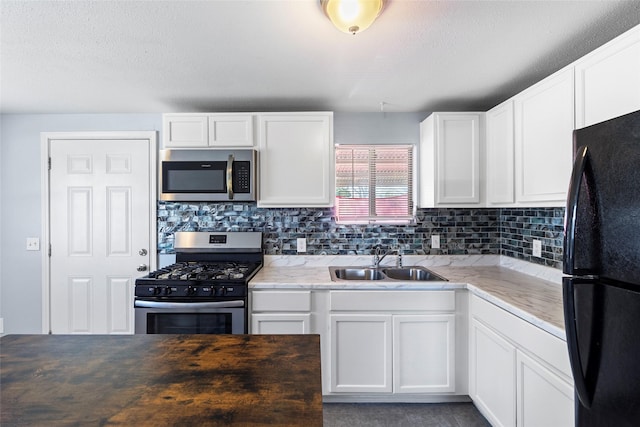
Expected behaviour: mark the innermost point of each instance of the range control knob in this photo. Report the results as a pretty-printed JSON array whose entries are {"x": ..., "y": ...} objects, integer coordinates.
[
  {"x": 191, "y": 290},
  {"x": 222, "y": 291},
  {"x": 157, "y": 290},
  {"x": 167, "y": 290}
]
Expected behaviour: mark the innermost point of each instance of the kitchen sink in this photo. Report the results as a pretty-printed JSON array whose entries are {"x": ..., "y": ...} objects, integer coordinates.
[
  {"x": 412, "y": 273},
  {"x": 405, "y": 274},
  {"x": 358, "y": 273}
]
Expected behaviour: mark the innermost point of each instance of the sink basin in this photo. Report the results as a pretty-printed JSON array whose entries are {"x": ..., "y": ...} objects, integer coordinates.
[
  {"x": 357, "y": 273},
  {"x": 406, "y": 274},
  {"x": 412, "y": 273}
]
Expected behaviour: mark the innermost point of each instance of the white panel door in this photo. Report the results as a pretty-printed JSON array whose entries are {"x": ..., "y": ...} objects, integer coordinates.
[
  {"x": 280, "y": 323},
  {"x": 544, "y": 123},
  {"x": 458, "y": 158},
  {"x": 492, "y": 376},
  {"x": 424, "y": 353},
  {"x": 361, "y": 351},
  {"x": 100, "y": 196},
  {"x": 608, "y": 80},
  {"x": 500, "y": 159},
  {"x": 296, "y": 160},
  {"x": 544, "y": 399}
]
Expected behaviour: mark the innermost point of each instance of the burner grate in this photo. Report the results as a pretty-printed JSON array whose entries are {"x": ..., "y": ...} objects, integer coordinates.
[{"x": 204, "y": 271}]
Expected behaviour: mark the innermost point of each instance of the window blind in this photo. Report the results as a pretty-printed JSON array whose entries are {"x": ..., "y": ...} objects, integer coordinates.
[{"x": 374, "y": 183}]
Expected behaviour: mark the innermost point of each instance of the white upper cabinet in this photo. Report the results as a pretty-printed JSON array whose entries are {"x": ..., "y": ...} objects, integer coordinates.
[
  {"x": 608, "y": 80},
  {"x": 450, "y": 159},
  {"x": 544, "y": 123},
  {"x": 500, "y": 157},
  {"x": 296, "y": 159},
  {"x": 185, "y": 130},
  {"x": 216, "y": 130},
  {"x": 231, "y": 130}
]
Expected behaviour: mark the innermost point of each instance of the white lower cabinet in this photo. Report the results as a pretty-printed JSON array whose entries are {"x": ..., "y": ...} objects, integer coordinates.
[
  {"x": 361, "y": 353},
  {"x": 424, "y": 353},
  {"x": 493, "y": 370},
  {"x": 519, "y": 374},
  {"x": 543, "y": 398},
  {"x": 392, "y": 342},
  {"x": 280, "y": 312}
]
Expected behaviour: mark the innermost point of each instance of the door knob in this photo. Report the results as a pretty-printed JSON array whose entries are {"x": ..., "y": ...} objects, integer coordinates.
[
  {"x": 142, "y": 252},
  {"x": 142, "y": 267}
]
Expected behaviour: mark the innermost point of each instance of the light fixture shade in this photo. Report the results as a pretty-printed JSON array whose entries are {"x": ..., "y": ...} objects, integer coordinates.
[{"x": 352, "y": 16}]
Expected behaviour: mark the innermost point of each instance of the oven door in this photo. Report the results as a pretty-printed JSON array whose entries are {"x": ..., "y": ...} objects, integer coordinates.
[{"x": 214, "y": 317}]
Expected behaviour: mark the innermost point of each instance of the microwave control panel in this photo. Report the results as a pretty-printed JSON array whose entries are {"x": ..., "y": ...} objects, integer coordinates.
[{"x": 241, "y": 177}]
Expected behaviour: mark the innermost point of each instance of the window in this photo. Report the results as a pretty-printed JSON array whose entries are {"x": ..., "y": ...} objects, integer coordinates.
[{"x": 374, "y": 183}]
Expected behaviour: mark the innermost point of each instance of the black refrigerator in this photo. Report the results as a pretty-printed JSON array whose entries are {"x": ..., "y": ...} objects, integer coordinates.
[{"x": 602, "y": 257}]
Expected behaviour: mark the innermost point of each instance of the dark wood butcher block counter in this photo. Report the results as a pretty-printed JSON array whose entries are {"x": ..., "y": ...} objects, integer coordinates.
[{"x": 160, "y": 380}]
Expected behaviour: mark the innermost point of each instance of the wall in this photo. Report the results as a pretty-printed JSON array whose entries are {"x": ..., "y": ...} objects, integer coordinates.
[
  {"x": 21, "y": 272},
  {"x": 462, "y": 230}
]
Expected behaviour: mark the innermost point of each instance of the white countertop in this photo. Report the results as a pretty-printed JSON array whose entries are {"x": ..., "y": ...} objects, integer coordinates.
[{"x": 534, "y": 299}]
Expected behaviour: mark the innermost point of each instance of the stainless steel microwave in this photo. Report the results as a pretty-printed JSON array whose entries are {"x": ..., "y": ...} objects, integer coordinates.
[{"x": 207, "y": 175}]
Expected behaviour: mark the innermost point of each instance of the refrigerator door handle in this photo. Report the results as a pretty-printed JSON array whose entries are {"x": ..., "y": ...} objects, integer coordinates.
[
  {"x": 572, "y": 343},
  {"x": 572, "y": 210}
]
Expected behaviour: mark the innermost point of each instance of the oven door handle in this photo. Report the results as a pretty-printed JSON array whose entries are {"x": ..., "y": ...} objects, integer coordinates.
[{"x": 161, "y": 304}]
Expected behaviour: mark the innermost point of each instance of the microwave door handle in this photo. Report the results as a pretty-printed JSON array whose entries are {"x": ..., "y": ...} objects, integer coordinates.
[{"x": 230, "y": 177}]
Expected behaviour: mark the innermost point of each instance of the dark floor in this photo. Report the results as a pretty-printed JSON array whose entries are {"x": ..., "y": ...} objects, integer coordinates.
[{"x": 403, "y": 414}]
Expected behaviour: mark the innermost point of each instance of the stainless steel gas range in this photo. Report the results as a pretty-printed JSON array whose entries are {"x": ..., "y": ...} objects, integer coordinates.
[{"x": 205, "y": 291}]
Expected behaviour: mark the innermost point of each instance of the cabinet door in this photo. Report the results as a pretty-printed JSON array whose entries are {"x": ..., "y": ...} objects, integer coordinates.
[
  {"x": 500, "y": 158},
  {"x": 543, "y": 398},
  {"x": 296, "y": 160},
  {"x": 185, "y": 130},
  {"x": 492, "y": 375},
  {"x": 361, "y": 353},
  {"x": 457, "y": 158},
  {"x": 424, "y": 353},
  {"x": 280, "y": 323},
  {"x": 608, "y": 80},
  {"x": 231, "y": 130},
  {"x": 544, "y": 122}
]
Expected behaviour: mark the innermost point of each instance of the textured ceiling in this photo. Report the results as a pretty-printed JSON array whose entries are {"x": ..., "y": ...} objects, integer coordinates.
[{"x": 266, "y": 55}]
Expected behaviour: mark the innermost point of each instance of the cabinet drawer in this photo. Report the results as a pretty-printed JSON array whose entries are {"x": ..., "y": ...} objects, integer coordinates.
[
  {"x": 281, "y": 301},
  {"x": 526, "y": 336},
  {"x": 392, "y": 300}
]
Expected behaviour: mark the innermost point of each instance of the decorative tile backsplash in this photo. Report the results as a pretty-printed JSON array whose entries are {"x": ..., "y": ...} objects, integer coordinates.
[
  {"x": 462, "y": 231},
  {"x": 520, "y": 226}
]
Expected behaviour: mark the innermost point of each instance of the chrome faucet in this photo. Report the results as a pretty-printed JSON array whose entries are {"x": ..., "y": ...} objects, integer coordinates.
[{"x": 377, "y": 259}]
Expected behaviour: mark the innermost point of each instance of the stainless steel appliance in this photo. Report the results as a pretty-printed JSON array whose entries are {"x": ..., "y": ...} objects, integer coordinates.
[
  {"x": 602, "y": 255},
  {"x": 205, "y": 291},
  {"x": 207, "y": 175}
]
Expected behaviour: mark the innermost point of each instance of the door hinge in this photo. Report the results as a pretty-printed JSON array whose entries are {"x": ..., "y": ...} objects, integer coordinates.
[
  {"x": 49, "y": 163},
  {"x": 49, "y": 250}
]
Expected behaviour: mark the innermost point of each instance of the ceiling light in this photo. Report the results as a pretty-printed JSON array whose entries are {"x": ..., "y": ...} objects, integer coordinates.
[{"x": 352, "y": 16}]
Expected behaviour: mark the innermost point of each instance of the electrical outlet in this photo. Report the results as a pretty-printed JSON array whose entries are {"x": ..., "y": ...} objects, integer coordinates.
[
  {"x": 301, "y": 244},
  {"x": 537, "y": 248},
  {"x": 435, "y": 241},
  {"x": 33, "y": 244}
]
